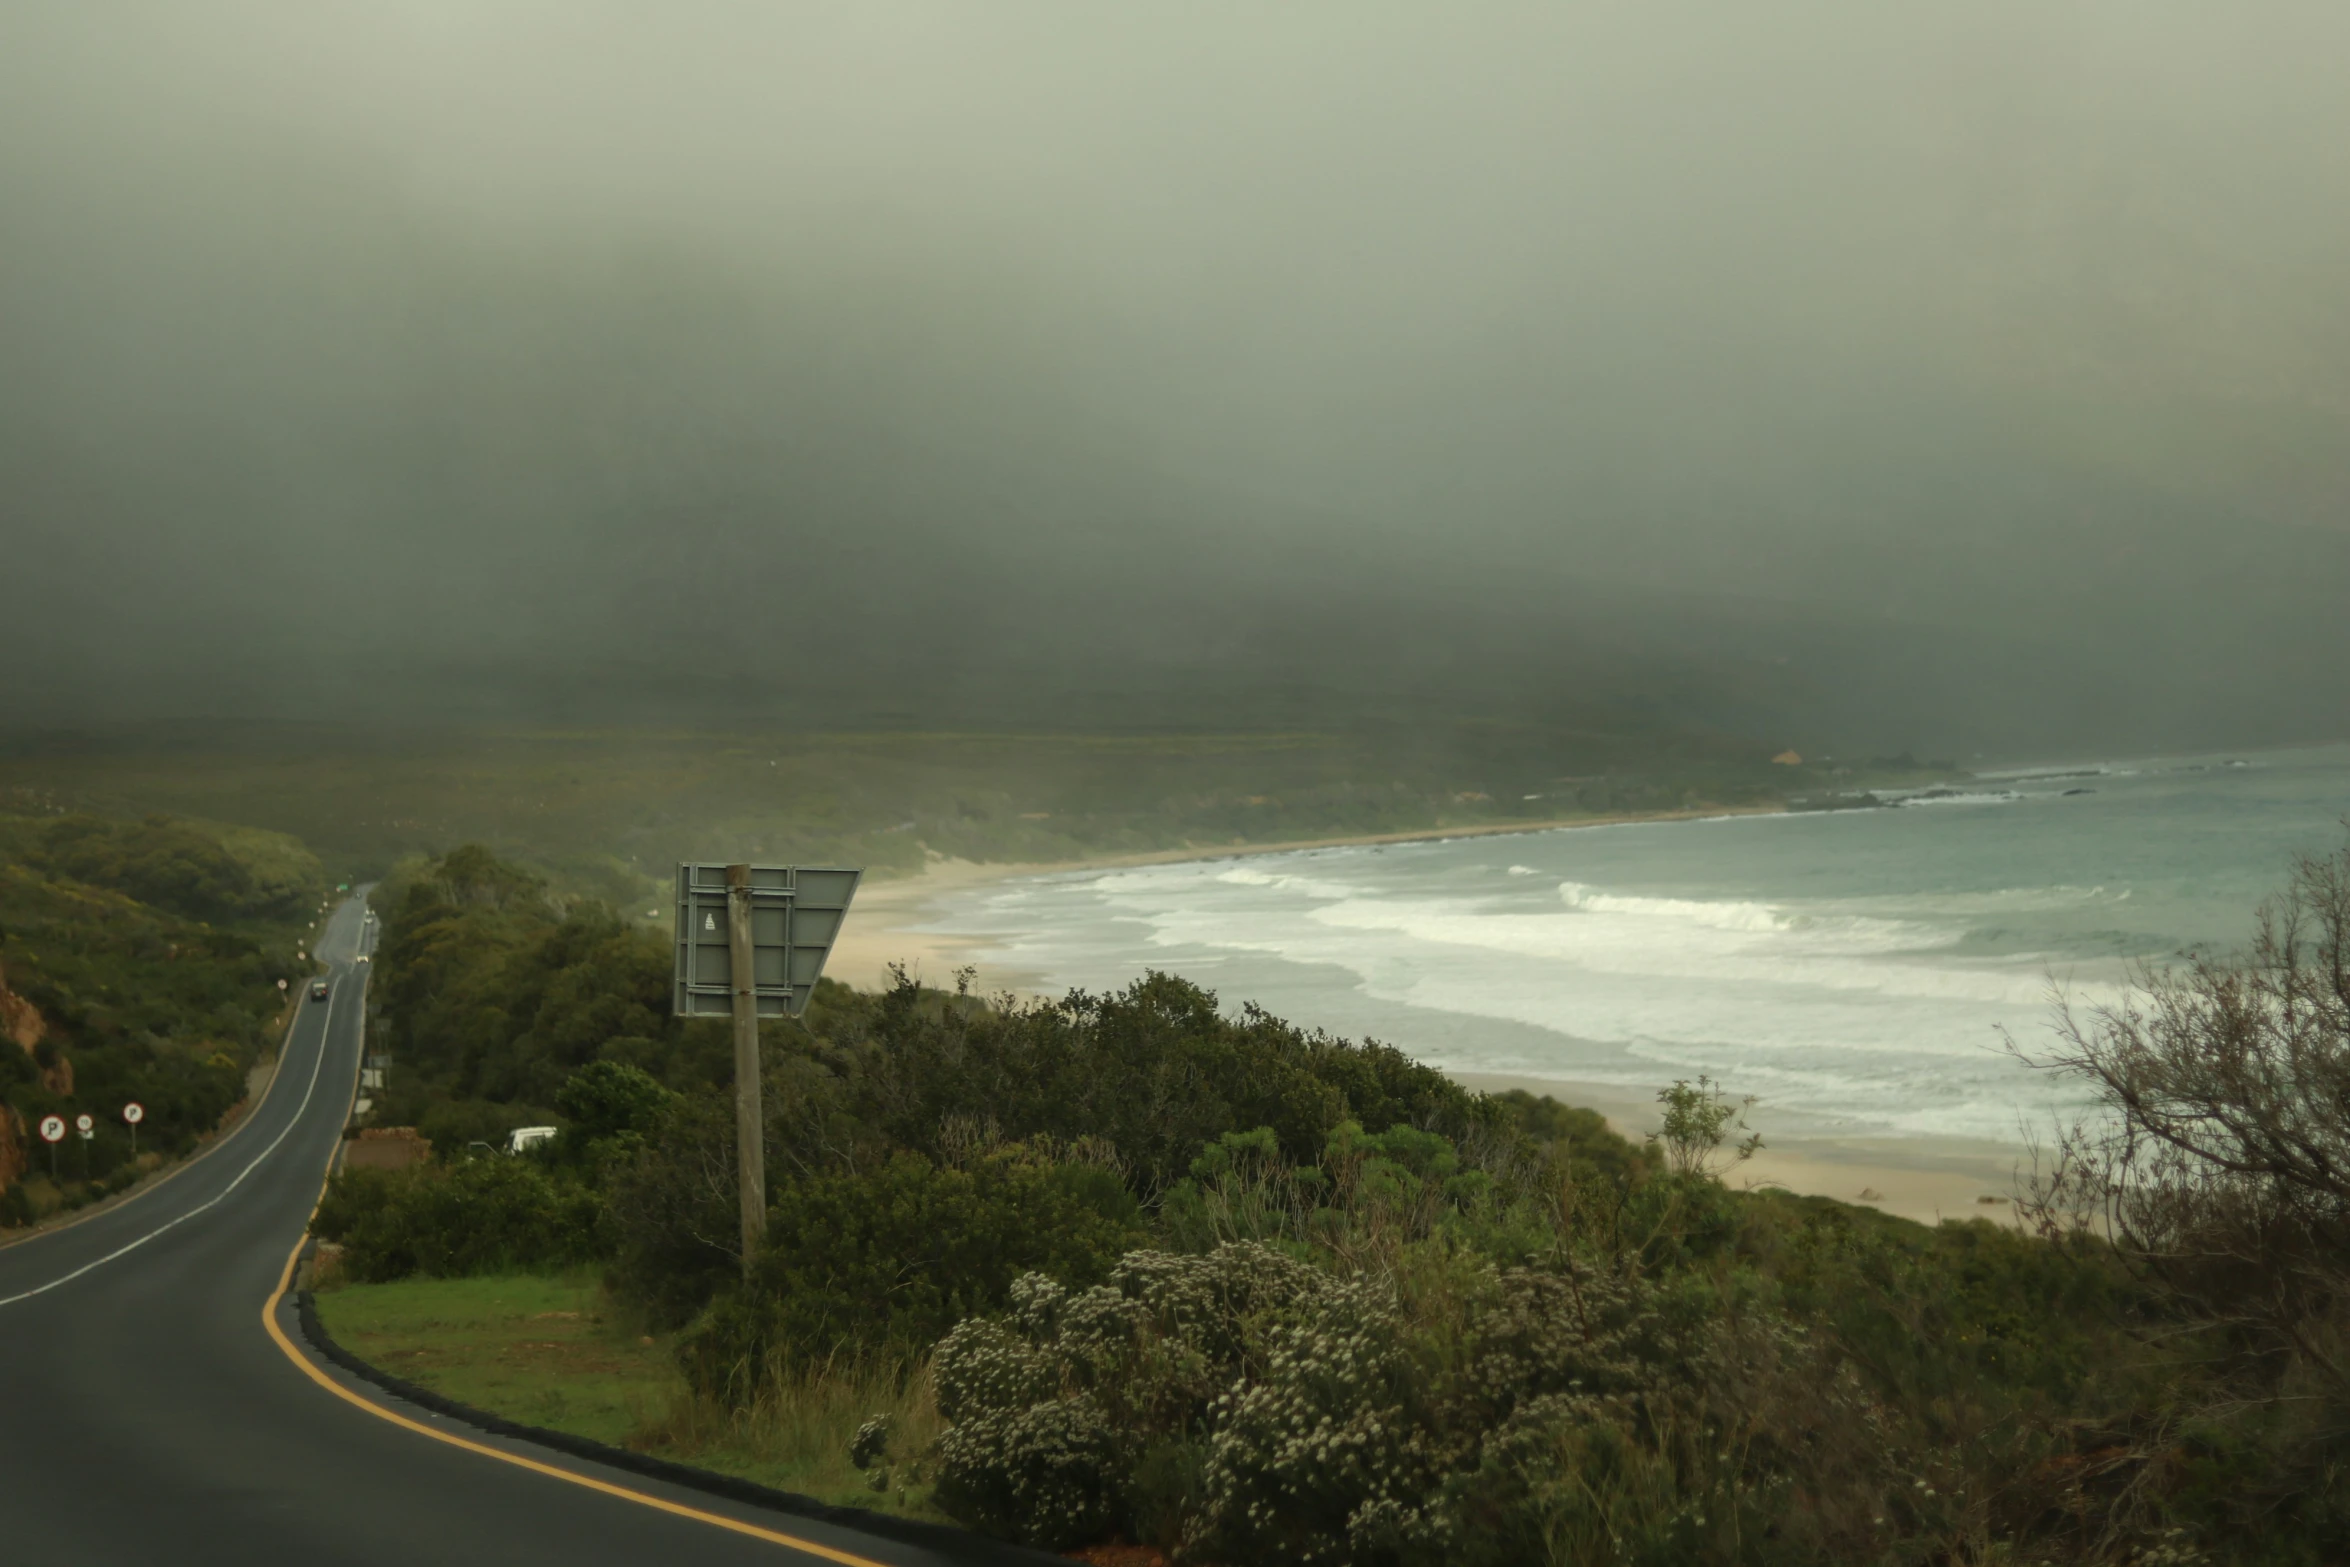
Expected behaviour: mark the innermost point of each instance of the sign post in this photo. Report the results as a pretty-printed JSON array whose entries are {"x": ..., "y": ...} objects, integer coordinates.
[
  {"x": 53, "y": 1133},
  {"x": 134, "y": 1113},
  {"x": 751, "y": 943},
  {"x": 749, "y": 1133},
  {"x": 89, "y": 1129}
]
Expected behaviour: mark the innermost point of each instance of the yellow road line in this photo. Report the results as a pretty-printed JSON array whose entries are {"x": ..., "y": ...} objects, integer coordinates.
[{"x": 679, "y": 1509}]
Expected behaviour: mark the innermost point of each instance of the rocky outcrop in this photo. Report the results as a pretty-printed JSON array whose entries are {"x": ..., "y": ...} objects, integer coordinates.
[
  {"x": 15, "y": 1156},
  {"x": 20, "y": 1020},
  {"x": 22, "y": 1025}
]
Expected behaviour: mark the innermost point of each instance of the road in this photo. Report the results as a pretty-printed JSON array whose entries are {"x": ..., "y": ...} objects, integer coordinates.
[{"x": 148, "y": 1413}]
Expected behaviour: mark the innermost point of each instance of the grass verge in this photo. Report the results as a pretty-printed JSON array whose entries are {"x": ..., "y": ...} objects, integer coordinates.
[{"x": 555, "y": 1351}]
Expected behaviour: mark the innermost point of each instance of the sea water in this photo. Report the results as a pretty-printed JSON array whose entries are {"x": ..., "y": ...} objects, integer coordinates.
[{"x": 1859, "y": 972}]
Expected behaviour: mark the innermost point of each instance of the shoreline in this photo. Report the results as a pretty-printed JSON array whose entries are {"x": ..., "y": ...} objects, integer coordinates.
[
  {"x": 881, "y": 927},
  {"x": 1920, "y": 1178},
  {"x": 1925, "y": 1178}
]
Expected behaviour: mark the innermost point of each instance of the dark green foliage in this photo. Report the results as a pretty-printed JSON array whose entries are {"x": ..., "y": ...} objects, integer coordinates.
[
  {"x": 1156, "y": 1070},
  {"x": 673, "y": 1215},
  {"x": 467, "y": 1216},
  {"x": 890, "y": 1260},
  {"x": 608, "y": 1109},
  {"x": 1661, "y": 1371},
  {"x": 168, "y": 864},
  {"x": 493, "y": 990},
  {"x": 136, "y": 1002},
  {"x": 1579, "y": 1136}
]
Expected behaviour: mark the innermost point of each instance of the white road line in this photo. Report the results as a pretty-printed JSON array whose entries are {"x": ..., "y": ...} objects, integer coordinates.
[{"x": 323, "y": 1034}]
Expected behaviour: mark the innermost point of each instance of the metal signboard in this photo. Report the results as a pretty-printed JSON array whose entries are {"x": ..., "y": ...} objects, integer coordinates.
[{"x": 796, "y": 911}]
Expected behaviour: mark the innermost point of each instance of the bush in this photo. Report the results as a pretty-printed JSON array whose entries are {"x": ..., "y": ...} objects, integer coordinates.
[
  {"x": 890, "y": 1260},
  {"x": 1157, "y": 1070},
  {"x": 474, "y": 1216},
  {"x": 1073, "y": 1413},
  {"x": 675, "y": 1215},
  {"x": 1243, "y": 1406}
]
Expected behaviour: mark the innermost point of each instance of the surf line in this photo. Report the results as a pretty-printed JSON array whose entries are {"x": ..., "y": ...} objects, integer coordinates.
[{"x": 324, "y": 1033}]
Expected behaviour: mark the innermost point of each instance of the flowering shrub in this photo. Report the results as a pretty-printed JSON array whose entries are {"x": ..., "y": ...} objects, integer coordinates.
[
  {"x": 1330, "y": 1449},
  {"x": 1057, "y": 1405},
  {"x": 1245, "y": 1407}
]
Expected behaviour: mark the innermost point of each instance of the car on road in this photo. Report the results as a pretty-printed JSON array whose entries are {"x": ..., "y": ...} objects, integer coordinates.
[{"x": 318, "y": 990}]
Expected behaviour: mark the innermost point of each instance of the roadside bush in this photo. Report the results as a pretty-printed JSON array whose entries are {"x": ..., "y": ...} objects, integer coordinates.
[
  {"x": 1243, "y": 1406},
  {"x": 610, "y": 1109},
  {"x": 1082, "y": 1410},
  {"x": 887, "y": 1261},
  {"x": 1370, "y": 1194},
  {"x": 674, "y": 1214},
  {"x": 473, "y": 1216}
]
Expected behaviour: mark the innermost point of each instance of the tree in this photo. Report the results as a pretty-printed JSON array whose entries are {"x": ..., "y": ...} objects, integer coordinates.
[{"x": 2220, "y": 1164}]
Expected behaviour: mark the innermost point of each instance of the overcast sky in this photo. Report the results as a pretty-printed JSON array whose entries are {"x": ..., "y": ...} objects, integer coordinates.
[{"x": 1966, "y": 375}]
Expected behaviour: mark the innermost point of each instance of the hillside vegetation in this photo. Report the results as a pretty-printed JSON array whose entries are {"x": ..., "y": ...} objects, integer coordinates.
[
  {"x": 1140, "y": 1266},
  {"x": 138, "y": 960}
]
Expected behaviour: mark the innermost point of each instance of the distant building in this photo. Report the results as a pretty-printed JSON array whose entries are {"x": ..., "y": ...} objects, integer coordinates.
[{"x": 1789, "y": 759}]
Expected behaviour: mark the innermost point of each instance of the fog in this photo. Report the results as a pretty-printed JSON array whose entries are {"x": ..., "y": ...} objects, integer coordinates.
[{"x": 1972, "y": 377}]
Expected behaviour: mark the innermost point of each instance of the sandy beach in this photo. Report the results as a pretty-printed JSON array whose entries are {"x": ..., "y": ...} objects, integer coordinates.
[{"x": 1921, "y": 1178}]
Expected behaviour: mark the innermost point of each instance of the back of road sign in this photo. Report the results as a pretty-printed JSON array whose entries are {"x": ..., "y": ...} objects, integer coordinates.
[{"x": 796, "y": 912}]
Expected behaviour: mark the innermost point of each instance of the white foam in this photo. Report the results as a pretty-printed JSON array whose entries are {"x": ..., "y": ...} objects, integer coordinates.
[
  {"x": 1968, "y": 797},
  {"x": 1860, "y": 1008},
  {"x": 1721, "y": 916}
]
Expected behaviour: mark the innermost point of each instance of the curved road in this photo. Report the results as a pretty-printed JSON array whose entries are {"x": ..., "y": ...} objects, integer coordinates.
[{"x": 147, "y": 1413}]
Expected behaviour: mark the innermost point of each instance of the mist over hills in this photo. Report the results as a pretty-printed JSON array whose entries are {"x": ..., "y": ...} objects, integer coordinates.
[{"x": 1969, "y": 382}]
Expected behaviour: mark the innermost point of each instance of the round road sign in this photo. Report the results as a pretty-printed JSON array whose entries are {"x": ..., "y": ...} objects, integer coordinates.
[
  {"x": 281, "y": 984},
  {"x": 134, "y": 1112},
  {"x": 53, "y": 1128},
  {"x": 84, "y": 1125}
]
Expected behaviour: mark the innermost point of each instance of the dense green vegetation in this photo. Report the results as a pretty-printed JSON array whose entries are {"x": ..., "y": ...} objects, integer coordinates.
[
  {"x": 143, "y": 961},
  {"x": 1133, "y": 1266},
  {"x": 178, "y": 867}
]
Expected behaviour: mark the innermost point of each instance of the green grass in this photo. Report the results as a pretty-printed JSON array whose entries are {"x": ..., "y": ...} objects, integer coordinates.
[
  {"x": 557, "y": 1352},
  {"x": 547, "y": 1351}
]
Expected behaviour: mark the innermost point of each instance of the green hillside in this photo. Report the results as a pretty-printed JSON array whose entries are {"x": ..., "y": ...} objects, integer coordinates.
[{"x": 138, "y": 960}]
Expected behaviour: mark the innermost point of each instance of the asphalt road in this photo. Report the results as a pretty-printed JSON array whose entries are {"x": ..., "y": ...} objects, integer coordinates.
[{"x": 148, "y": 1414}]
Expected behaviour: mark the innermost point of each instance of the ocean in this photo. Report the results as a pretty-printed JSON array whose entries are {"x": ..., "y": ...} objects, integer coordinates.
[{"x": 1856, "y": 972}]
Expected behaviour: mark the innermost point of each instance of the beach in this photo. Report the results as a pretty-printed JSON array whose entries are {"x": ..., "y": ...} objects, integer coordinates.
[
  {"x": 885, "y": 927},
  {"x": 1925, "y": 1178}
]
